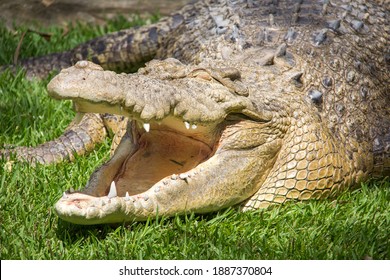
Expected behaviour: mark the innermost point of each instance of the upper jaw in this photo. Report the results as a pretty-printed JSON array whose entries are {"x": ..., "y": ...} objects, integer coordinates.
[{"x": 154, "y": 93}]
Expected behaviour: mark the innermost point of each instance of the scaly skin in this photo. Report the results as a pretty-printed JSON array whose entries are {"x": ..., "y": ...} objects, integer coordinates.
[{"x": 263, "y": 103}]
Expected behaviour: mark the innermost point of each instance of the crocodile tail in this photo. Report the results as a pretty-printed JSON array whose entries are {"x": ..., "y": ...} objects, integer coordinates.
[
  {"x": 40, "y": 67},
  {"x": 127, "y": 50},
  {"x": 121, "y": 51},
  {"x": 80, "y": 138}
]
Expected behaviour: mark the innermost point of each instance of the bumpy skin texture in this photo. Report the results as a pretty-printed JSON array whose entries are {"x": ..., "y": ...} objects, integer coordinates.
[{"x": 290, "y": 97}]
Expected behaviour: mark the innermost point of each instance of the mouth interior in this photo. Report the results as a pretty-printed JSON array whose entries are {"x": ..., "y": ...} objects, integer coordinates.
[
  {"x": 161, "y": 153},
  {"x": 169, "y": 148}
]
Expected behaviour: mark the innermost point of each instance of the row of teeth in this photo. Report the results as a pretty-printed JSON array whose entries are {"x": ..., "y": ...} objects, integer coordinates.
[
  {"x": 186, "y": 124},
  {"x": 113, "y": 193}
]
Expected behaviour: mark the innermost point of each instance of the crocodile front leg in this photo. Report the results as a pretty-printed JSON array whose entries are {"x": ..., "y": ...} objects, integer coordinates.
[{"x": 81, "y": 137}]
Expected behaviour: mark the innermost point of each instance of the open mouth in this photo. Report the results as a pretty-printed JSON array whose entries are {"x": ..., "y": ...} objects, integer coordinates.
[
  {"x": 159, "y": 151},
  {"x": 162, "y": 152},
  {"x": 150, "y": 158}
]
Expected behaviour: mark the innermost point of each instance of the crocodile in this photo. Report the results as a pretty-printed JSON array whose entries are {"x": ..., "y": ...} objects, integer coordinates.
[{"x": 236, "y": 103}]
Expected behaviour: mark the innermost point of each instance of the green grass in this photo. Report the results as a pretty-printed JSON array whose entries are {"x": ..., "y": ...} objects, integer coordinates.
[{"x": 355, "y": 226}]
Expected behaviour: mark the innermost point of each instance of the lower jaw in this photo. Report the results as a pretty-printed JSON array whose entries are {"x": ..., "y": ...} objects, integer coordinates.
[{"x": 116, "y": 207}]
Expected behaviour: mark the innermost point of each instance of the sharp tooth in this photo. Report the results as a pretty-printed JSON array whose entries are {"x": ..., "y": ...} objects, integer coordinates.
[
  {"x": 127, "y": 197},
  {"x": 147, "y": 127},
  {"x": 194, "y": 126},
  {"x": 112, "y": 192},
  {"x": 64, "y": 195},
  {"x": 187, "y": 124}
]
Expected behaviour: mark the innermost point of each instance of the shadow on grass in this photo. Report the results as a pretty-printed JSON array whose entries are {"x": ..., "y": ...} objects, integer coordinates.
[{"x": 70, "y": 233}]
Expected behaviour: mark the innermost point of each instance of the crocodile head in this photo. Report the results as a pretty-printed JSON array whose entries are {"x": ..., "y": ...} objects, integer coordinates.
[{"x": 195, "y": 141}]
